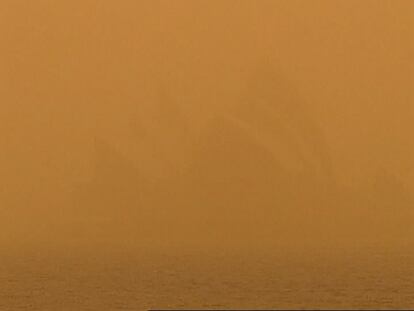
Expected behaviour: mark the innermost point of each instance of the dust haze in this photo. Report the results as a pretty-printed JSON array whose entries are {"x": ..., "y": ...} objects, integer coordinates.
[{"x": 206, "y": 123}]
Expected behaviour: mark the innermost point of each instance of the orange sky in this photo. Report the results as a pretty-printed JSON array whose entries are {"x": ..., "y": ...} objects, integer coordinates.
[{"x": 75, "y": 70}]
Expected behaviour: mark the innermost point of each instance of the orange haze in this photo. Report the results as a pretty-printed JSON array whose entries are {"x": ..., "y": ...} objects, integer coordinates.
[{"x": 206, "y": 122}]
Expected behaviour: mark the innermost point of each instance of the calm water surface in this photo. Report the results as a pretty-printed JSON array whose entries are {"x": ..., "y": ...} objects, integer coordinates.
[{"x": 140, "y": 280}]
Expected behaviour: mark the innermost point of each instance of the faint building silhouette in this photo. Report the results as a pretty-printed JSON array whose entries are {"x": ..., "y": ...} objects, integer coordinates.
[
  {"x": 263, "y": 164},
  {"x": 115, "y": 189}
]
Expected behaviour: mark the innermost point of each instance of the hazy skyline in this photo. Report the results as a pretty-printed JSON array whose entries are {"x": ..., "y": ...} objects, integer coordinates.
[
  {"x": 247, "y": 154},
  {"x": 150, "y": 77}
]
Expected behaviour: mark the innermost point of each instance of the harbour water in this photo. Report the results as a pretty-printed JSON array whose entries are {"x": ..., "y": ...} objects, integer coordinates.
[{"x": 141, "y": 279}]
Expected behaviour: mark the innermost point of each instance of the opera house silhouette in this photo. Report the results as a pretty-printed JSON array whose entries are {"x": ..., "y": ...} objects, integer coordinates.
[{"x": 260, "y": 169}]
